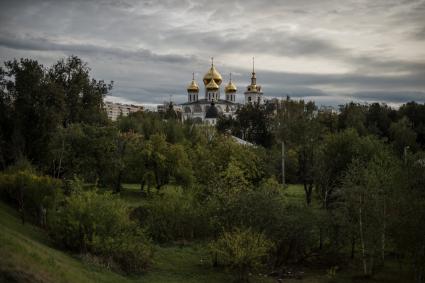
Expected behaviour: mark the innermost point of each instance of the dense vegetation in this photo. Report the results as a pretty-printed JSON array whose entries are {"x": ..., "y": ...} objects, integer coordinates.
[{"x": 362, "y": 171}]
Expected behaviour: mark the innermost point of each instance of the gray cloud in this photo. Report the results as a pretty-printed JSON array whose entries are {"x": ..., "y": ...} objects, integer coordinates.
[
  {"x": 43, "y": 44},
  {"x": 392, "y": 96},
  {"x": 328, "y": 50}
]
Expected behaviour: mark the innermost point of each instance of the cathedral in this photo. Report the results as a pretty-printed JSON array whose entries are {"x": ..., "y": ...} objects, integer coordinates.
[{"x": 209, "y": 107}]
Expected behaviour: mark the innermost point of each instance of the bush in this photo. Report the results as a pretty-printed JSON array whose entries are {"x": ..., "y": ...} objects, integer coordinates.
[
  {"x": 242, "y": 250},
  {"x": 32, "y": 195},
  {"x": 99, "y": 224},
  {"x": 295, "y": 234},
  {"x": 174, "y": 216}
]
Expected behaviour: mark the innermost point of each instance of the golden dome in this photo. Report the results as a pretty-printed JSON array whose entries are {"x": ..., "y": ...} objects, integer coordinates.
[
  {"x": 193, "y": 86},
  {"x": 212, "y": 85},
  {"x": 212, "y": 74},
  {"x": 230, "y": 87}
]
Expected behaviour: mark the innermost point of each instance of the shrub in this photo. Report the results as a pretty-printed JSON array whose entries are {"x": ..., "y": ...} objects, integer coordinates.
[
  {"x": 173, "y": 216},
  {"x": 98, "y": 223},
  {"x": 242, "y": 250},
  {"x": 32, "y": 195}
]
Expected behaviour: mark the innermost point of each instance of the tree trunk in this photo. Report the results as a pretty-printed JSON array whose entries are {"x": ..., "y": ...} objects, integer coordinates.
[
  {"x": 283, "y": 163},
  {"x": 60, "y": 158},
  {"x": 384, "y": 224},
  {"x": 308, "y": 189},
  {"x": 320, "y": 238},
  {"x": 243, "y": 274},
  {"x": 364, "y": 260},
  {"x": 21, "y": 204},
  {"x": 118, "y": 182},
  {"x": 353, "y": 246},
  {"x": 215, "y": 260}
]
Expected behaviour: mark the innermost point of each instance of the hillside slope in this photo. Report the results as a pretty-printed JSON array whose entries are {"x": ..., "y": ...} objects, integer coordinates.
[{"x": 27, "y": 256}]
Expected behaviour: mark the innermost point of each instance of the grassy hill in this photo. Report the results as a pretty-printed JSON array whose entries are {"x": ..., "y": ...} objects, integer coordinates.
[{"x": 28, "y": 256}]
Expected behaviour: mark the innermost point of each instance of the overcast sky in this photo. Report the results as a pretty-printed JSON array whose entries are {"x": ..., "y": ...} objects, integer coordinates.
[{"x": 328, "y": 51}]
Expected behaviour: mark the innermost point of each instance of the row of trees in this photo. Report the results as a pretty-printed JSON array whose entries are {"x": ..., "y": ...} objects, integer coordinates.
[{"x": 35, "y": 101}]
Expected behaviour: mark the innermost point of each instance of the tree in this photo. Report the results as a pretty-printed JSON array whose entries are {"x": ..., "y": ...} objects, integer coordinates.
[
  {"x": 403, "y": 136},
  {"x": 83, "y": 95},
  {"x": 253, "y": 124},
  {"x": 87, "y": 150},
  {"x": 379, "y": 118},
  {"x": 35, "y": 101},
  {"x": 242, "y": 250},
  {"x": 408, "y": 215},
  {"x": 6, "y": 124},
  {"x": 415, "y": 112},
  {"x": 37, "y": 106},
  {"x": 366, "y": 190},
  {"x": 353, "y": 115},
  {"x": 158, "y": 160},
  {"x": 298, "y": 127},
  {"x": 137, "y": 162},
  {"x": 335, "y": 155}
]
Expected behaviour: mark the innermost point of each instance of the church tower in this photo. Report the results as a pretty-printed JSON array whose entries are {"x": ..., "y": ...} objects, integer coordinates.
[
  {"x": 230, "y": 90},
  {"x": 192, "y": 90},
  {"x": 212, "y": 81},
  {"x": 253, "y": 92}
]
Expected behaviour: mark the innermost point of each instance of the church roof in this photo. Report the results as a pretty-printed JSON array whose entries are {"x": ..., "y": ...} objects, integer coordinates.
[
  {"x": 230, "y": 87},
  {"x": 212, "y": 74},
  {"x": 193, "y": 86},
  {"x": 212, "y": 85}
]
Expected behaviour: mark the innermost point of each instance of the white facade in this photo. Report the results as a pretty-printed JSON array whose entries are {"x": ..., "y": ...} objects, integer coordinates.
[{"x": 253, "y": 93}]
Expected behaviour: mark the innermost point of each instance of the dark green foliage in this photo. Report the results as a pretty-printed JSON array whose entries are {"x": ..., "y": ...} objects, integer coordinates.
[
  {"x": 174, "y": 216},
  {"x": 35, "y": 101},
  {"x": 261, "y": 208},
  {"x": 353, "y": 115},
  {"x": 86, "y": 150},
  {"x": 415, "y": 112},
  {"x": 403, "y": 136},
  {"x": 408, "y": 215},
  {"x": 241, "y": 250},
  {"x": 252, "y": 124},
  {"x": 33, "y": 196},
  {"x": 379, "y": 118},
  {"x": 99, "y": 223},
  {"x": 83, "y": 95}
]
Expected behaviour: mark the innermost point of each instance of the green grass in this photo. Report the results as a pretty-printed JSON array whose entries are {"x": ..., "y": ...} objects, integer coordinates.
[
  {"x": 132, "y": 194},
  {"x": 28, "y": 256},
  {"x": 134, "y": 197},
  {"x": 295, "y": 192}
]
